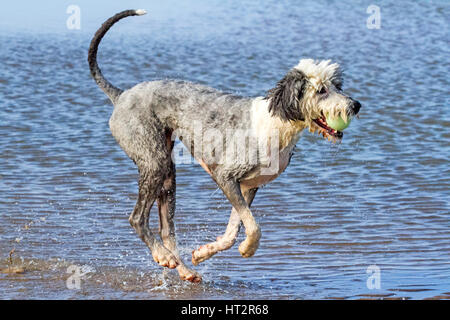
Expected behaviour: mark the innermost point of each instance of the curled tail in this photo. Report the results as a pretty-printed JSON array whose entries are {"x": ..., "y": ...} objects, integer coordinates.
[{"x": 111, "y": 91}]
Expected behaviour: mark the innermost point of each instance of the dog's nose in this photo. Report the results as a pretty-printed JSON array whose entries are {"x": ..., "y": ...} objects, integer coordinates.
[{"x": 356, "y": 106}]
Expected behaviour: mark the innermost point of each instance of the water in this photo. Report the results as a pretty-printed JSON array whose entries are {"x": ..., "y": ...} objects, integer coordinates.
[{"x": 381, "y": 198}]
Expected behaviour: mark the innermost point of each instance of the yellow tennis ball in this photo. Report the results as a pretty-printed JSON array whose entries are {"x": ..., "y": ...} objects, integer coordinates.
[{"x": 338, "y": 123}]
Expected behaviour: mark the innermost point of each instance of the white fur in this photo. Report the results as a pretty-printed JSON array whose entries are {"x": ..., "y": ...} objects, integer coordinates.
[
  {"x": 322, "y": 74},
  {"x": 141, "y": 12},
  {"x": 263, "y": 123},
  {"x": 318, "y": 72}
]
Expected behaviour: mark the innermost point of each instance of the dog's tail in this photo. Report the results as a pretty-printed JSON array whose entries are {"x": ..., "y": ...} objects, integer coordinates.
[{"x": 111, "y": 91}]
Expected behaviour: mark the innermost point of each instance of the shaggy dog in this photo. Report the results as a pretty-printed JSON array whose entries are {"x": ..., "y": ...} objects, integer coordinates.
[{"x": 148, "y": 117}]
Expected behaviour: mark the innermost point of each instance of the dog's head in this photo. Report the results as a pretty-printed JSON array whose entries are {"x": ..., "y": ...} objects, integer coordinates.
[{"x": 311, "y": 92}]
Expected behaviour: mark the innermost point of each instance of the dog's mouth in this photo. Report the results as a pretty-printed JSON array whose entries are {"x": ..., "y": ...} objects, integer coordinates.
[{"x": 326, "y": 130}]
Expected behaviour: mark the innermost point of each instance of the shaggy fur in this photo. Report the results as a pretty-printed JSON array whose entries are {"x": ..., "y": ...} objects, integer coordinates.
[{"x": 148, "y": 117}]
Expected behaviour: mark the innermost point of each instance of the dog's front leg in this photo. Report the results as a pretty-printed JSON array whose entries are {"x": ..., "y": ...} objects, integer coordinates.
[
  {"x": 232, "y": 191},
  {"x": 228, "y": 239}
]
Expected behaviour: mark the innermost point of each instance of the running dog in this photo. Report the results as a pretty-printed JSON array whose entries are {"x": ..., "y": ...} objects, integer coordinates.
[{"x": 148, "y": 117}]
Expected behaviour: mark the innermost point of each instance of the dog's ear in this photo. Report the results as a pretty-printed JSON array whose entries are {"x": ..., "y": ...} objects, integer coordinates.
[
  {"x": 337, "y": 80},
  {"x": 285, "y": 97}
]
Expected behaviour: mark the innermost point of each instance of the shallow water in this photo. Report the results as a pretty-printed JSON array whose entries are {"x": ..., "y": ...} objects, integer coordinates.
[{"x": 381, "y": 198}]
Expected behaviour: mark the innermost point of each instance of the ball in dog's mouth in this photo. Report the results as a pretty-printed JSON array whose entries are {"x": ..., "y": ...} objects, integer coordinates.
[
  {"x": 338, "y": 123},
  {"x": 332, "y": 126}
]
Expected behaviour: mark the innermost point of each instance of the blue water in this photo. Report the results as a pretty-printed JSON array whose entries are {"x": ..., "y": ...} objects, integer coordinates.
[{"x": 380, "y": 198}]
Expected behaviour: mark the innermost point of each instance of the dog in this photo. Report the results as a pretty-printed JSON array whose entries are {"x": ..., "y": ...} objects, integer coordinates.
[{"x": 148, "y": 117}]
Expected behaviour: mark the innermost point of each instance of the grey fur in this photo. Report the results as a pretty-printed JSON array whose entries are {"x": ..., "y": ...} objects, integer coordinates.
[{"x": 144, "y": 122}]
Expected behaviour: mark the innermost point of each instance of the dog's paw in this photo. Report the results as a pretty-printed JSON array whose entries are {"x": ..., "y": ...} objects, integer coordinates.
[
  {"x": 165, "y": 258},
  {"x": 203, "y": 253},
  {"x": 248, "y": 247},
  {"x": 188, "y": 274}
]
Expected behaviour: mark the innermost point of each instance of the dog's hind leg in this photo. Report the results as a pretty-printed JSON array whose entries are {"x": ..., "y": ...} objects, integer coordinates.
[
  {"x": 149, "y": 188},
  {"x": 228, "y": 239},
  {"x": 166, "y": 208},
  {"x": 146, "y": 145}
]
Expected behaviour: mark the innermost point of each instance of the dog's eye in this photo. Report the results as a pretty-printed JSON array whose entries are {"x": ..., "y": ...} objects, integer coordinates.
[{"x": 323, "y": 90}]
